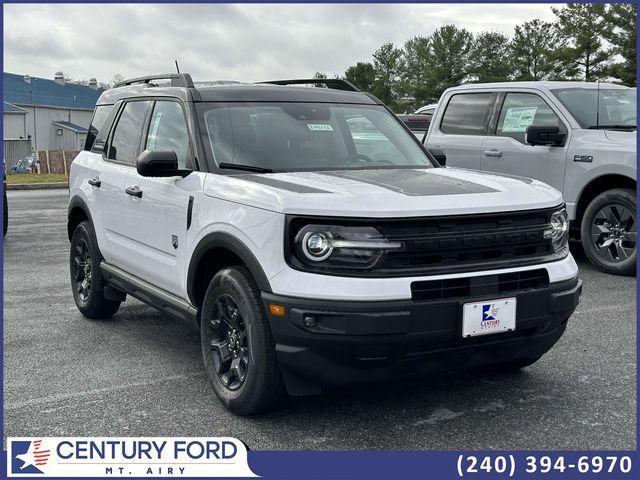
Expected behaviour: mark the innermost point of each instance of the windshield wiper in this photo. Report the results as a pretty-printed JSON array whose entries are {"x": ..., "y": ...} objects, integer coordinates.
[
  {"x": 248, "y": 168},
  {"x": 613, "y": 127}
]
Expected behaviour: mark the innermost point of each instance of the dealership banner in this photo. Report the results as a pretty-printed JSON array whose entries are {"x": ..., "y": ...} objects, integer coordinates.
[{"x": 127, "y": 456}]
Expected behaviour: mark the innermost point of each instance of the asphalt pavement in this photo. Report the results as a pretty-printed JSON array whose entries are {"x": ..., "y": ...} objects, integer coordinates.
[{"x": 141, "y": 374}]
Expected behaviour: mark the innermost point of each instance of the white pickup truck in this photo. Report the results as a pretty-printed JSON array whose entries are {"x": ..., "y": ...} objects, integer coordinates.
[{"x": 578, "y": 137}]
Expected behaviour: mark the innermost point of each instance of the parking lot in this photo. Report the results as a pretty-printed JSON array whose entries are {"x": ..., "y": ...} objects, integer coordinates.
[{"x": 141, "y": 373}]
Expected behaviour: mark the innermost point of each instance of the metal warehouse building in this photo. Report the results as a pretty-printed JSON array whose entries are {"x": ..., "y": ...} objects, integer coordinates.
[{"x": 44, "y": 114}]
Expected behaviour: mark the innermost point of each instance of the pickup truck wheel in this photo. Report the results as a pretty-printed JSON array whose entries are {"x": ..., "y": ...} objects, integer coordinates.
[
  {"x": 237, "y": 348},
  {"x": 608, "y": 231},
  {"x": 86, "y": 279}
]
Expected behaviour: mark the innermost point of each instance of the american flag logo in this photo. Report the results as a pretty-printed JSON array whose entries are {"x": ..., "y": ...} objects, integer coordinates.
[{"x": 36, "y": 456}]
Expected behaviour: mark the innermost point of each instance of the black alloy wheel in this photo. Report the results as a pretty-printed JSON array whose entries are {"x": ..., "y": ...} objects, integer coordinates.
[
  {"x": 82, "y": 271},
  {"x": 608, "y": 231},
  {"x": 613, "y": 232},
  {"x": 87, "y": 283},
  {"x": 229, "y": 341}
]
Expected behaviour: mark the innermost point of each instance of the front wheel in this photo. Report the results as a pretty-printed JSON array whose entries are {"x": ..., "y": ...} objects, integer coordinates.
[
  {"x": 608, "y": 231},
  {"x": 86, "y": 279},
  {"x": 237, "y": 348}
]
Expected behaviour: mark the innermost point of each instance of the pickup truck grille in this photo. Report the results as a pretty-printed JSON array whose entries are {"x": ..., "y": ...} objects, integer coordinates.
[{"x": 466, "y": 243}]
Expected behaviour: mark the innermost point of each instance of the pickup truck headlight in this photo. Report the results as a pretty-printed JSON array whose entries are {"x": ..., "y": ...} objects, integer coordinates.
[
  {"x": 343, "y": 247},
  {"x": 558, "y": 231}
]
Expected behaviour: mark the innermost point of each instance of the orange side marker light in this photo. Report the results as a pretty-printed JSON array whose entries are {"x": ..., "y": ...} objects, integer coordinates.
[{"x": 277, "y": 310}]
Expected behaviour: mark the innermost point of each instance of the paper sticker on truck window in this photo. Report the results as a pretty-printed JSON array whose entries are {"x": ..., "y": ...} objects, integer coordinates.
[
  {"x": 320, "y": 127},
  {"x": 517, "y": 119}
]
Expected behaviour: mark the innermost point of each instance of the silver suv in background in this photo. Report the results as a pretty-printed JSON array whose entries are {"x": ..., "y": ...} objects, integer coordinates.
[{"x": 578, "y": 137}]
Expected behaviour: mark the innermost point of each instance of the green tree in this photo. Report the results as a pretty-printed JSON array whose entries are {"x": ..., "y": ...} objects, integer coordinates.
[
  {"x": 533, "y": 51},
  {"x": 491, "y": 57},
  {"x": 362, "y": 75},
  {"x": 320, "y": 75},
  {"x": 620, "y": 31},
  {"x": 387, "y": 64},
  {"x": 450, "y": 49},
  {"x": 581, "y": 25},
  {"x": 416, "y": 61}
]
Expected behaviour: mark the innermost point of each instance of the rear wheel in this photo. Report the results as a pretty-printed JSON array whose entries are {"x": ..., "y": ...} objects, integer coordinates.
[
  {"x": 86, "y": 279},
  {"x": 608, "y": 231},
  {"x": 237, "y": 348}
]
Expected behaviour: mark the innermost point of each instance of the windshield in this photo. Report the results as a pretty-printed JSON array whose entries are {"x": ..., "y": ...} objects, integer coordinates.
[
  {"x": 617, "y": 106},
  {"x": 308, "y": 136}
]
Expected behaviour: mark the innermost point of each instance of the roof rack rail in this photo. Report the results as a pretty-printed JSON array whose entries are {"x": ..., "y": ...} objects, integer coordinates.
[
  {"x": 177, "y": 80},
  {"x": 333, "y": 83}
]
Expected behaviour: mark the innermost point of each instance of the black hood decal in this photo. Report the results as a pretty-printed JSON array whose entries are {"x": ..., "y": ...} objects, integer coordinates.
[
  {"x": 280, "y": 184},
  {"x": 412, "y": 182}
]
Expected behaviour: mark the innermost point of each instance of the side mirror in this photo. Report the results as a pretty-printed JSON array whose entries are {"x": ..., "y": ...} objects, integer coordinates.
[
  {"x": 439, "y": 155},
  {"x": 550, "y": 136},
  {"x": 159, "y": 163}
]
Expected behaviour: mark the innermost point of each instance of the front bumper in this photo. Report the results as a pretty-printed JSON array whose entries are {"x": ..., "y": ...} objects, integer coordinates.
[{"x": 349, "y": 341}]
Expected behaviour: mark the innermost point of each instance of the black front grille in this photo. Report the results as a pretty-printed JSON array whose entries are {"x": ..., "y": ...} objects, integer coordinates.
[
  {"x": 442, "y": 245},
  {"x": 467, "y": 243},
  {"x": 478, "y": 286}
]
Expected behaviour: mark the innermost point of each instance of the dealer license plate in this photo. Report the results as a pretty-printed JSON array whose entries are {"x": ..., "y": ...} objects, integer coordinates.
[{"x": 490, "y": 316}]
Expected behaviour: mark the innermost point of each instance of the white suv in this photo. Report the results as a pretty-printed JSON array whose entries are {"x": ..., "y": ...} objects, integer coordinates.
[
  {"x": 310, "y": 237},
  {"x": 579, "y": 137}
]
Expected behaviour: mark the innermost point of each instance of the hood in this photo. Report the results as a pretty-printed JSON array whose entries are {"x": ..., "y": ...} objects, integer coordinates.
[{"x": 384, "y": 192}]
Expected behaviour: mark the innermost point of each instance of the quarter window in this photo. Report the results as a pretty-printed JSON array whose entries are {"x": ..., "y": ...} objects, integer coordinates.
[
  {"x": 97, "y": 122},
  {"x": 126, "y": 137},
  {"x": 521, "y": 110},
  {"x": 168, "y": 131},
  {"x": 467, "y": 114}
]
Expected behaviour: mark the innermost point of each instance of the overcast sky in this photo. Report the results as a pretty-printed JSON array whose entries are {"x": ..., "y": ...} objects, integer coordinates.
[{"x": 227, "y": 42}]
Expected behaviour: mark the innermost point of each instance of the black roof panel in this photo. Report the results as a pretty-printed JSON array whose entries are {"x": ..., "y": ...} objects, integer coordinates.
[{"x": 229, "y": 92}]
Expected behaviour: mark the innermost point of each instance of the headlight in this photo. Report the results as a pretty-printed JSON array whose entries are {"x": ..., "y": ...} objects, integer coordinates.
[
  {"x": 558, "y": 232},
  {"x": 336, "y": 246}
]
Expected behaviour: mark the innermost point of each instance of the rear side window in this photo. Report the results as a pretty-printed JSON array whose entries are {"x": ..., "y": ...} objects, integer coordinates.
[
  {"x": 125, "y": 141},
  {"x": 467, "y": 114},
  {"x": 97, "y": 122},
  {"x": 168, "y": 131}
]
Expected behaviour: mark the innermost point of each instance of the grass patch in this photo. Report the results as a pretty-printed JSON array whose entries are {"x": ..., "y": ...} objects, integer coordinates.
[{"x": 26, "y": 178}]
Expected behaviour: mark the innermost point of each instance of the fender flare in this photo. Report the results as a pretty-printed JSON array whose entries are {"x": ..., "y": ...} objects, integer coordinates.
[
  {"x": 77, "y": 202},
  {"x": 234, "y": 245}
]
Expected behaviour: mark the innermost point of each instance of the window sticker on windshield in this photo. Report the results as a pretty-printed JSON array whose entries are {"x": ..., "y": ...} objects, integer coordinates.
[
  {"x": 517, "y": 119},
  {"x": 320, "y": 127}
]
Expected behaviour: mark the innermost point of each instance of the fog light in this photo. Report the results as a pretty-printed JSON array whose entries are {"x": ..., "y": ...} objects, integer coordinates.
[{"x": 310, "y": 321}]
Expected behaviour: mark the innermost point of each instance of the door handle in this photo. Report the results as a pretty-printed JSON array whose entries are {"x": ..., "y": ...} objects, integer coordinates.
[
  {"x": 95, "y": 182},
  {"x": 134, "y": 191},
  {"x": 492, "y": 153}
]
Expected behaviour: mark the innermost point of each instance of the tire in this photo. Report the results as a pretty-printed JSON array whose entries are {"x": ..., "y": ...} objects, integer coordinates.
[
  {"x": 608, "y": 231},
  {"x": 5, "y": 224},
  {"x": 86, "y": 279},
  {"x": 237, "y": 347}
]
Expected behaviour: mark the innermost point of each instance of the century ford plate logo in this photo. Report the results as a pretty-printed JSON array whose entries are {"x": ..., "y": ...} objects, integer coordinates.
[{"x": 66, "y": 457}]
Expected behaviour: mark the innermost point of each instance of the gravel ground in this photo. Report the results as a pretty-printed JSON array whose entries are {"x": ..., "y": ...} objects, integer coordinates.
[{"x": 141, "y": 373}]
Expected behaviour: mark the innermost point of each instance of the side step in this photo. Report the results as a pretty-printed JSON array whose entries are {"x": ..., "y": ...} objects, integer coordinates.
[{"x": 149, "y": 294}]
